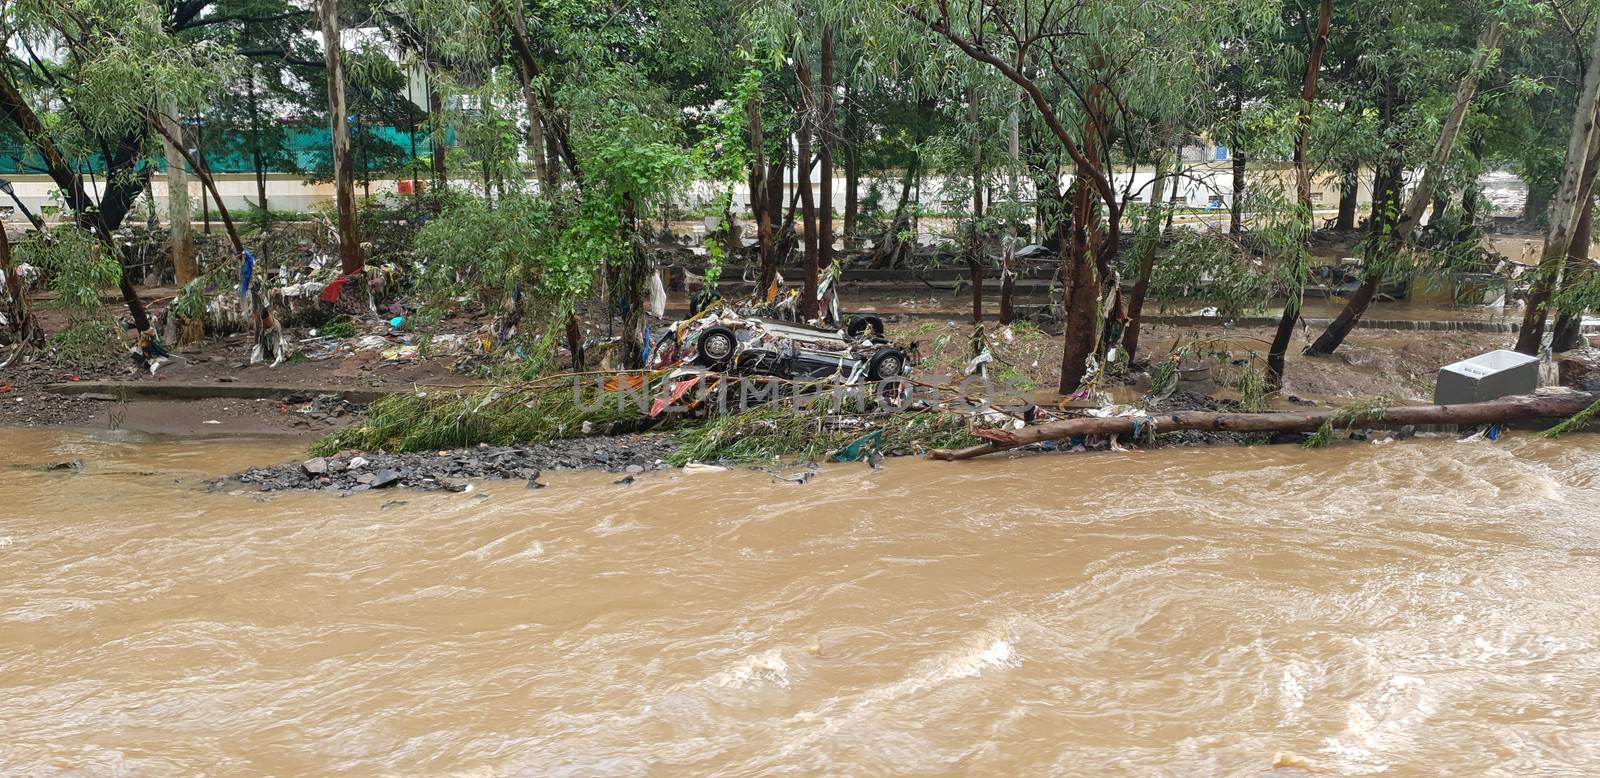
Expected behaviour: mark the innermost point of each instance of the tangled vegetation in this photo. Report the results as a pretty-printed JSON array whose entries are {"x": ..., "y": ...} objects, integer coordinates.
[
  {"x": 777, "y": 431},
  {"x": 499, "y": 415},
  {"x": 1577, "y": 423},
  {"x": 1349, "y": 417}
]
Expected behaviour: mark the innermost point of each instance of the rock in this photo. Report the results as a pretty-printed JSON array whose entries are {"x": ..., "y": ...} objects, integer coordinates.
[
  {"x": 385, "y": 478},
  {"x": 633, "y": 469},
  {"x": 627, "y": 479},
  {"x": 535, "y": 485},
  {"x": 316, "y": 466},
  {"x": 454, "y": 484},
  {"x": 1580, "y": 369},
  {"x": 365, "y": 479},
  {"x": 73, "y": 465}
]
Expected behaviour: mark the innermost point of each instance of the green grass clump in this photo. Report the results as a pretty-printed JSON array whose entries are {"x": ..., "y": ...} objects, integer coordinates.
[
  {"x": 780, "y": 431},
  {"x": 1577, "y": 423},
  {"x": 1349, "y": 417},
  {"x": 338, "y": 328},
  {"x": 499, "y": 416},
  {"x": 86, "y": 344}
]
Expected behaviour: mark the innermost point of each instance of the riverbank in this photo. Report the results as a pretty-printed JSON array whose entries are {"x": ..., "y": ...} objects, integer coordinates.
[{"x": 209, "y": 392}]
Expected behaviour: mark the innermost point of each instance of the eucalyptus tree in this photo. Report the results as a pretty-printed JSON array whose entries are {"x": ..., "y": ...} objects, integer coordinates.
[
  {"x": 88, "y": 79},
  {"x": 1391, "y": 242},
  {"x": 609, "y": 120},
  {"x": 1089, "y": 71},
  {"x": 1572, "y": 203}
]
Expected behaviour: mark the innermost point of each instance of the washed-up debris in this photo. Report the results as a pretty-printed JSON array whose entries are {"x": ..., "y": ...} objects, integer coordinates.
[
  {"x": 701, "y": 467},
  {"x": 1548, "y": 403},
  {"x": 453, "y": 470},
  {"x": 728, "y": 340},
  {"x": 802, "y": 477}
]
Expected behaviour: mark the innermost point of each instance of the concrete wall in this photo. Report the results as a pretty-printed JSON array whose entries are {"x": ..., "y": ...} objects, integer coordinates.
[{"x": 1205, "y": 184}]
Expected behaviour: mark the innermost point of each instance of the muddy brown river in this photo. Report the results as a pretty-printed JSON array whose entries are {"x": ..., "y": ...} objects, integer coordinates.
[{"x": 1422, "y": 608}]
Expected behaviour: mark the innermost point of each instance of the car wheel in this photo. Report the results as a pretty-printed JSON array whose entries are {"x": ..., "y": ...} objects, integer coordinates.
[
  {"x": 715, "y": 348},
  {"x": 860, "y": 324},
  {"x": 888, "y": 363}
]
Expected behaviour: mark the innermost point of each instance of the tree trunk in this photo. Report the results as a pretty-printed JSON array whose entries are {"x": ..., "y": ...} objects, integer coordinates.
[
  {"x": 808, "y": 205},
  {"x": 975, "y": 234},
  {"x": 1302, "y": 187},
  {"x": 1081, "y": 339},
  {"x": 1147, "y": 260},
  {"x": 1568, "y": 331},
  {"x": 888, "y": 249},
  {"x": 634, "y": 280},
  {"x": 825, "y": 136},
  {"x": 21, "y": 318},
  {"x": 343, "y": 161},
  {"x": 197, "y": 161},
  {"x": 575, "y": 343},
  {"x": 1008, "y": 282},
  {"x": 123, "y": 187},
  {"x": 1577, "y": 189},
  {"x": 1412, "y": 215},
  {"x": 439, "y": 146},
  {"x": 852, "y": 174},
  {"x": 1349, "y": 193},
  {"x": 178, "y": 211},
  {"x": 257, "y": 156},
  {"x": 1236, "y": 207},
  {"x": 1503, "y": 410},
  {"x": 526, "y": 72},
  {"x": 1094, "y": 249},
  {"x": 1537, "y": 204},
  {"x": 760, "y": 203}
]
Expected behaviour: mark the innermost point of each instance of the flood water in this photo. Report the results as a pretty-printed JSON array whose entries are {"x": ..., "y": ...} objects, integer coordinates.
[{"x": 1426, "y": 607}]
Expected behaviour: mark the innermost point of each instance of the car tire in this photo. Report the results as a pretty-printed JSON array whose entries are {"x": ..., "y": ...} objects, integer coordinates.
[
  {"x": 715, "y": 347},
  {"x": 860, "y": 324},
  {"x": 888, "y": 363}
]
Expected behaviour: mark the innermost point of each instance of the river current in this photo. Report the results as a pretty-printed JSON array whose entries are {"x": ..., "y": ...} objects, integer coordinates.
[{"x": 1420, "y": 608}]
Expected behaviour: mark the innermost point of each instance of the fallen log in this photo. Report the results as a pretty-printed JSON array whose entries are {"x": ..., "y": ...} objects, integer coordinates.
[{"x": 1505, "y": 409}]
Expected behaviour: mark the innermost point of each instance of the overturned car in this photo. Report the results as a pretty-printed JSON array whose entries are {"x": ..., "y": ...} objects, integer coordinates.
[{"x": 724, "y": 341}]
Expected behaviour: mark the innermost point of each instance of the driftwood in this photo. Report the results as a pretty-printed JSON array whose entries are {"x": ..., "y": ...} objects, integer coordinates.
[{"x": 1506, "y": 409}]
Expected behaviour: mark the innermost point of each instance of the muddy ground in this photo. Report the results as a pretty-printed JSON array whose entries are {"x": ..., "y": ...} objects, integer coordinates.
[{"x": 1373, "y": 362}]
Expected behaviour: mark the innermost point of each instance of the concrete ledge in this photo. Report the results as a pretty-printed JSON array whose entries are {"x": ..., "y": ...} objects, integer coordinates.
[{"x": 163, "y": 390}]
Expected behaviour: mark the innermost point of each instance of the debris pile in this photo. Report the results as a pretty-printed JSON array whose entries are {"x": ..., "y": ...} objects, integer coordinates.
[{"x": 452, "y": 470}]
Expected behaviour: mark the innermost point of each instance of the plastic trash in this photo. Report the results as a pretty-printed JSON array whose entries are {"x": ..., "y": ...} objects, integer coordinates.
[{"x": 657, "y": 304}]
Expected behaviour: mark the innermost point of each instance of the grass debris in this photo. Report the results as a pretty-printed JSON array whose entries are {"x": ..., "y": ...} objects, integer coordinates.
[
  {"x": 1349, "y": 417},
  {"x": 780, "y": 431},
  {"x": 1577, "y": 423},
  {"x": 497, "y": 415}
]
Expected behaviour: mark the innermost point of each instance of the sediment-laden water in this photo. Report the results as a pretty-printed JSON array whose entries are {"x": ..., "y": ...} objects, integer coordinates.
[{"x": 1424, "y": 607}]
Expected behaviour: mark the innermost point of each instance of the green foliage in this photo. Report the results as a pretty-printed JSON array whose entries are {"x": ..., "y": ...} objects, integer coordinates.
[
  {"x": 85, "y": 343},
  {"x": 1348, "y": 417},
  {"x": 779, "y": 432},
  {"x": 498, "y": 415},
  {"x": 1253, "y": 389},
  {"x": 1578, "y": 422},
  {"x": 1211, "y": 268},
  {"x": 338, "y": 328},
  {"x": 78, "y": 266}
]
